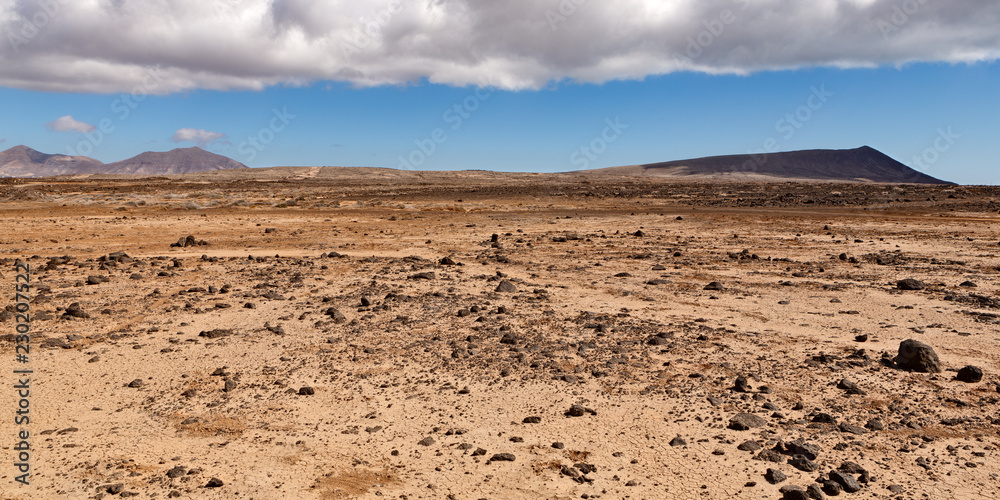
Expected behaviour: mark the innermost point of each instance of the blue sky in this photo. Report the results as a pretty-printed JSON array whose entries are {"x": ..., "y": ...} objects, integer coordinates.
[{"x": 936, "y": 111}]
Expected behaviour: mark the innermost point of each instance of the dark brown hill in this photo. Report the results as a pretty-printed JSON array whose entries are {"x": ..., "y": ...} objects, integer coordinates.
[{"x": 863, "y": 164}]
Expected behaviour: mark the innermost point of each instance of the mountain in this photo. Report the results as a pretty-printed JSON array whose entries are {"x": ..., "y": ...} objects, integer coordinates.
[
  {"x": 177, "y": 161},
  {"x": 863, "y": 164},
  {"x": 22, "y": 161}
]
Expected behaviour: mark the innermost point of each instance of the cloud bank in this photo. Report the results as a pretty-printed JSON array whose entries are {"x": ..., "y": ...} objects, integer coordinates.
[
  {"x": 198, "y": 136},
  {"x": 69, "y": 124},
  {"x": 109, "y": 46}
]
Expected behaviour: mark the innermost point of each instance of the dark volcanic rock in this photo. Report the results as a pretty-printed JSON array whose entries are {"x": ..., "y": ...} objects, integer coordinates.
[
  {"x": 214, "y": 334},
  {"x": 917, "y": 356},
  {"x": 802, "y": 463},
  {"x": 75, "y": 311},
  {"x": 741, "y": 384},
  {"x": 850, "y": 386},
  {"x": 910, "y": 284},
  {"x": 793, "y": 492},
  {"x": 579, "y": 411},
  {"x": 335, "y": 314},
  {"x": 847, "y": 481},
  {"x": 770, "y": 455},
  {"x": 745, "y": 421},
  {"x": 775, "y": 476},
  {"x": 502, "y": 457},
  {"x": 800, "y": 447},
  {"x": 506, "y": 287},
  {"x": 970, "y": 374},
  {"x": 714, "y": 286}
]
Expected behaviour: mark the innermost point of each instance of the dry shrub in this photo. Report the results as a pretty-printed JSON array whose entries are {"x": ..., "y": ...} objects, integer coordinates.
[{"x": 352, "y": 483}]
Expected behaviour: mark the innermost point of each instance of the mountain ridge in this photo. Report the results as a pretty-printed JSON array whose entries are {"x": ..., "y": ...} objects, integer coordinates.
[
  {"x": 863, "y": 164},
  {"x": 23, "y": 161}
]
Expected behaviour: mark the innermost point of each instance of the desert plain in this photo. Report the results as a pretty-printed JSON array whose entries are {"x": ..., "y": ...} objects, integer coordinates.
[{"x": 365, "y": 333}]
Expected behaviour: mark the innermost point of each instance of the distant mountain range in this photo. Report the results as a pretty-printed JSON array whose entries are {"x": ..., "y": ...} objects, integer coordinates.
[
  {"x": 863, "y": 164},
  {"x": 22, "y": 161}
]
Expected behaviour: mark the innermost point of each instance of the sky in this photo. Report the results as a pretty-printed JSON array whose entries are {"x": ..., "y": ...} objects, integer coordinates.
[{"x": 539, "y": 85}]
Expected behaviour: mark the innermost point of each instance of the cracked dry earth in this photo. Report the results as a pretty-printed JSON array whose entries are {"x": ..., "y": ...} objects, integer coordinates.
[{"x": 515, "y": 344}]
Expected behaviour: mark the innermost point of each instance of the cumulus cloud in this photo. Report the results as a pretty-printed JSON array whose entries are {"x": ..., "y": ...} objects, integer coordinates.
[
  {"x": 164, "y": 47},
  {"x": 198, "y": 136},
  {"x": 69, "y": 124}
]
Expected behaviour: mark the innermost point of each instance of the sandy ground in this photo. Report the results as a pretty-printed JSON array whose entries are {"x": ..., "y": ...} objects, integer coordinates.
[{"x": 318, "y": 347}]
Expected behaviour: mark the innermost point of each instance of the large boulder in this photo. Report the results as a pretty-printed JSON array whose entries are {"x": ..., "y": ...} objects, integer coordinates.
[
  {"x": 917, "y": 356},
  {"x": 910, "y": 284},
  {"x": 746, "y": 421},
  {"x": 970, "y": 374}
]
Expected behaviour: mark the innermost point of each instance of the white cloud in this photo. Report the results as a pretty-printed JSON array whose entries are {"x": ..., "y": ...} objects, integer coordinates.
[
  {"x": 107, "y": 46},
  {"x": 69, "y": 124},
  {"x": 198, "y": 136}
]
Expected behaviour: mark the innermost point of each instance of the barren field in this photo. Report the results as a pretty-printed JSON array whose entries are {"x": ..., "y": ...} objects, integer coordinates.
[{"x": 335, "y": 333}]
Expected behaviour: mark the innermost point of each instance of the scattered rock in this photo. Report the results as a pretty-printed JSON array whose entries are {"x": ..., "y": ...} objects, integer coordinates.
[
  {"x": 793, "y": 492},
  {"x": 216, "y": 333},
  {"x": 506, "y": 287},
  {"x": 846, "y": 481},
  {"x": 917, "y": 356},
  {"x": 75, "y": 311},
  {"x": 850, "y": 386},
  {"x": 910, "y": 284},
  {"x": 579, "y": 411},
  {"x": 189, "y": 241},
  {"x": 775, "y": 476},
  {"x": 802, "y": 463},
  {"x": 502, "y": 457},
  {"x": 176, "y": 472},
  {"x": 746, "y": 421},
  {"x": 741, "y": 384},
  {"x": 970, "y": 374},
  {"x": 335, "y": 314}
]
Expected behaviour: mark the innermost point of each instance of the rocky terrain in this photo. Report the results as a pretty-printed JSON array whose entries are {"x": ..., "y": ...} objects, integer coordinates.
[{"x": 334, "y": 333}]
